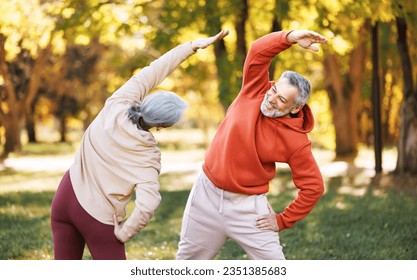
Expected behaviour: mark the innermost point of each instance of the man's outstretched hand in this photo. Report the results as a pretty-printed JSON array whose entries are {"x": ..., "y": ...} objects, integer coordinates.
[
  {"x": 205, "y": 42},
  {"x": 306, "y": 39}
]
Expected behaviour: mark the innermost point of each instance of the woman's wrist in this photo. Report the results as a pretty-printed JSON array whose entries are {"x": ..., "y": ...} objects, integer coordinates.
[{"x": 193, "y": 47}]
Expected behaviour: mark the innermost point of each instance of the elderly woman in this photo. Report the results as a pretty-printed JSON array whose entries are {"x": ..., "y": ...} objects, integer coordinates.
[{"x": 118, "y": 156}]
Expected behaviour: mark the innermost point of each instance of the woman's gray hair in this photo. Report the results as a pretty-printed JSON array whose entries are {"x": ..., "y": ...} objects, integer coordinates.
[
  {"x": 301, "y": 83},
  {"x": 159, "y": 109}
]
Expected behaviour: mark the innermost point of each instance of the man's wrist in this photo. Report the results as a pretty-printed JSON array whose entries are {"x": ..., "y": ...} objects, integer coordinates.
[{"x": 290, "y": 38}]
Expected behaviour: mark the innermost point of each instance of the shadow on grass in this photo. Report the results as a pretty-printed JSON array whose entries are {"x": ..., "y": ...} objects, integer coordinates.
[{"x": 350, "y": 222}]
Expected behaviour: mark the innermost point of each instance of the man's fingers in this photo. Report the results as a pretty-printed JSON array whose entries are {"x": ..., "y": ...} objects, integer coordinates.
[
  {"x": 262, "y": 221},
  {"x": 318, "y": 38},
  {"x": 263, "y": 224},
  {"x": 267, "y": 222},
  {"x": 308, "y": 45},
  {"x": 313, "y": 48}
]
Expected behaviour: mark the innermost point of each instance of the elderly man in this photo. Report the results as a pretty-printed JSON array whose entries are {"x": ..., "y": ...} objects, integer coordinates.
[{"x": 267, "y": 123}]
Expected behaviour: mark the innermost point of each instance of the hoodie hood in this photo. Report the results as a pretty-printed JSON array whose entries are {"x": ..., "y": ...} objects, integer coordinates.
[{"x": 303, "y": 122}]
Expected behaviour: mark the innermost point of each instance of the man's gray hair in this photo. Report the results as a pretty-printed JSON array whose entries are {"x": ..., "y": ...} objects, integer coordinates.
[
  {"x": 301, "y": 83},
  {"x": 159, "y": 109}
]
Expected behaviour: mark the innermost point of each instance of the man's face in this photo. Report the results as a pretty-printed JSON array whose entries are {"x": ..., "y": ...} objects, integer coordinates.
[{"x": 279, "y": 100}]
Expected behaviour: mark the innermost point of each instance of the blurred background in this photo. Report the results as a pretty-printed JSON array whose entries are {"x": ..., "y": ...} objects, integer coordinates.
[{"x": 61, "y": 59}]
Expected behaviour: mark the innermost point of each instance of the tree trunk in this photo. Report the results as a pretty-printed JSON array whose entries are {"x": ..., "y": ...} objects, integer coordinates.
[
  {"x": 276, "y": 26},
  {"x": 407, "y": 143},
  {"x": 63, "y": 129},
  {"x": 229, "y": 82},
  {"x": 281, "y": 11},
  {"x": 240, "y": 24},
  {"x": 10, "y": 115},
  {"x": 30, "y": 98},
  {"x": 30, "y": 125},
  {"x": 344, "y": 91},
  {"x": 17, "y": 109},
  {"x": 12, "y": 135},
  {"x": 376, "y": 99}
]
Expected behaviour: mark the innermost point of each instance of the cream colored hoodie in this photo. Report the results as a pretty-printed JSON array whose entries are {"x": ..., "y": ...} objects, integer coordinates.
[{"x": 116, "y": 158}]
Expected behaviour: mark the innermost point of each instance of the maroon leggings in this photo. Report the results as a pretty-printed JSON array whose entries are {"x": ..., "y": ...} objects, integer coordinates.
[{"x": 73, "y": 227}]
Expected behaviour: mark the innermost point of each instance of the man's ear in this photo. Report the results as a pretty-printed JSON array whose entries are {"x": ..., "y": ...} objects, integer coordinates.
[{"x": 295, "y": 110}]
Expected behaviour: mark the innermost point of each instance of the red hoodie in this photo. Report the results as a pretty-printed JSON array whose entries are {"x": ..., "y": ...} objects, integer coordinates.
[{"x": 247, "y": 145}]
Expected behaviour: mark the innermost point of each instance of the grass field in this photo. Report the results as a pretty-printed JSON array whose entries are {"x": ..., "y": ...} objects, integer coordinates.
[{"x": 356, "y": 219}]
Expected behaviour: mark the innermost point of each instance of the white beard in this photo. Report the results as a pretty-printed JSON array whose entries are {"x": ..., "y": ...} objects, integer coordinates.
[{"x": 271, "y": 112}]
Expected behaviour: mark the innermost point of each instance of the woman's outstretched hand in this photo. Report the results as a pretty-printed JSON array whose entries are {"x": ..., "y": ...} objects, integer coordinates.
[
  {"x": 306, "y": 39},
  {"x": 205, "y": 42}
]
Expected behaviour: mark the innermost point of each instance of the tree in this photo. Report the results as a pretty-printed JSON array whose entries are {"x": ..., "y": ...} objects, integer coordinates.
[
  {"x": 407, "y": 143},
  {"x": 344, "y": 87},
  {"x": 8, "y": 118},
  {"x": 280, "y": 10},
  {"x": 38, "y": 36},
  {"x": 72, "y": 83},
  {"x": 21, "y": 72}
]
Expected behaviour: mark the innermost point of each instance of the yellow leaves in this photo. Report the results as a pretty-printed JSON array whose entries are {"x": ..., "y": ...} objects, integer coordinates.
[
  {"x": 340, "y": 45},
  {"x": 204, "y": 108},
  {"x": 381, "y": 10},
  {"x": 4, "y": 107},
  {"x": 130, "y": 45},
  {"x": 12, "y": 50},
  {"x": 8, "y": 12},
  {"x": 82, "y": 39},
  {"x": 304, "y": 17},
  {"x": 58, "y": 43},
  {"x": 334, "y": 6},
  {"x": 67, "y": 12},
  {"x": 43, "y": 108},
  {"x": 392, "y": 99},
  {"x": 167, "y": 83},
  {"x": 24, "y": 23},
  {"x": 323, "y": 132}
]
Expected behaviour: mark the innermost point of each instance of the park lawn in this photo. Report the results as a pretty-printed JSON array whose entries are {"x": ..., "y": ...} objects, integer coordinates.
[
  {"x": 354, "y": 220},
  {"x": 380, "y": 224}
]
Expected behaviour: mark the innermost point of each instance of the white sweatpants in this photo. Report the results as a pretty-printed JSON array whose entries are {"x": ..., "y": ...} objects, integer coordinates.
[{"x": 213, "y": 215}]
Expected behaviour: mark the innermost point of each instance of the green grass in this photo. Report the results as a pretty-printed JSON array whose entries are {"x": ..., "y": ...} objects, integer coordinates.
[
  {"x": 48, "y": 149},
  {"x": 353, "y": 220}
]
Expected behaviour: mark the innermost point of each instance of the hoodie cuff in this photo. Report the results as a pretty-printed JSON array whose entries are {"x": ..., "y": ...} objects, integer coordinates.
[
  {"x": 281, "y": 225},
  {"x": 123, "y": 236}
]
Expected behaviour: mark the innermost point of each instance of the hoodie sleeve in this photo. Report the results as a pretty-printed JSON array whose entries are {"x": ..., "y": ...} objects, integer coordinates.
[
  {"x": 308, "y": 179},
  {"x": 255, "y": 70},
  {"x": 146, "y": 201}
]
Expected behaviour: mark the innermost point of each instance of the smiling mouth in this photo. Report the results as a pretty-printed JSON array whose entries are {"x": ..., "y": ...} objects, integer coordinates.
[{"x": 270, "y": 105}]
